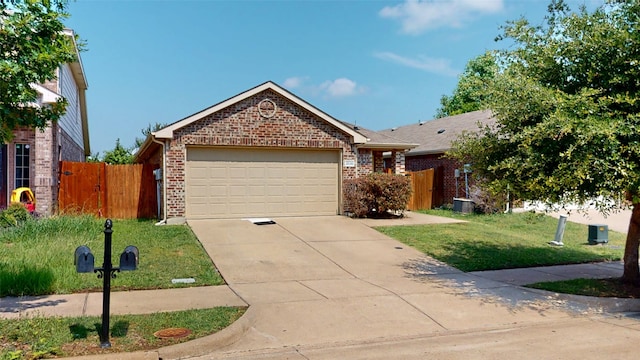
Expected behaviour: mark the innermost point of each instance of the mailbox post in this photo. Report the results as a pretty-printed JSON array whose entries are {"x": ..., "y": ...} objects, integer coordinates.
[{"x": 84, "y": 262}]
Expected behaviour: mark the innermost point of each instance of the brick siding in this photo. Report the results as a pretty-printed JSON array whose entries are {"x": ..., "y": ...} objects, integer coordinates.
[
  {"x": 242, "y": 125},
  {"x": 47, "y": 149}
]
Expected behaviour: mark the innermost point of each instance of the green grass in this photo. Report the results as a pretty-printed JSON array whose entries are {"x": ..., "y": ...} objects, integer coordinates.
[
  {"x": 504, "y": 241},
  {"x": 36, "y": 258},
  {"x": 39, "y": 337},
  {"x": 612, "y": 287}
]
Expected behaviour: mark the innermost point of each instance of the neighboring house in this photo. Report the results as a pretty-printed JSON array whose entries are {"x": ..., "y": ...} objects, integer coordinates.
[
  {"x": 262, "y": 153},
  {"x": 434, "y": 138},
  {"x": 32, "y": 158}
]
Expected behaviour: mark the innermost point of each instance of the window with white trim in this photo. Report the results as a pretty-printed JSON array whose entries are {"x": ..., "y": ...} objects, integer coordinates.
[{"x": 22, "y": 165}]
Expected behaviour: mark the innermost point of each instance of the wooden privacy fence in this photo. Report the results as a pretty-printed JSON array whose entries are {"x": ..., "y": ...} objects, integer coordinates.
[
  {"x": 114, "y": 191},
  {"x": 422, "y": 189}
]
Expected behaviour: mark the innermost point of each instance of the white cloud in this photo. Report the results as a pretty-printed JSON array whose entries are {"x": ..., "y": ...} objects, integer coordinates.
[
  {"x": 294, "y": 82},
  {"x": 425, "y": 63},
  {"x": 418, "y": 16},
  {"x": 340, "y": 87}
]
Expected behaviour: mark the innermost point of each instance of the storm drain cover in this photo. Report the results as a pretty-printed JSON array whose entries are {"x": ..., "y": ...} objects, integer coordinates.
[{"x": 172, "y": 333}]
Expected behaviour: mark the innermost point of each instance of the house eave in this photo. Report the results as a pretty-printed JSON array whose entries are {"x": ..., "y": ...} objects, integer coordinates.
[
  {"x": 142, "y": 150},
  {"x": 398, "y": 146},
  {"x": 427, "y": 152},
  {"x": 77, "y": 71}
]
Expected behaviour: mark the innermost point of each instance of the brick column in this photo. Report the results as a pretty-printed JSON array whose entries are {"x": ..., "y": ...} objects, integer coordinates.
[
  {"x": 46, "y": 164},
  {"x": 399, "y": 161}
]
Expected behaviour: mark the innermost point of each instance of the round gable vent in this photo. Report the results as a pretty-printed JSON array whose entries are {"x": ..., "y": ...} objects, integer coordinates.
[{"x": 267, "y": 108}]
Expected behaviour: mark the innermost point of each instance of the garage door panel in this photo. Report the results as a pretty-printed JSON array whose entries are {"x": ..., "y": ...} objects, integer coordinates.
[
  {"x": 200, "y": 173},
  {"x": 224, "y": 183},
  {"x": 255, "y": 190},
  {"x": 237, "y": 191}
]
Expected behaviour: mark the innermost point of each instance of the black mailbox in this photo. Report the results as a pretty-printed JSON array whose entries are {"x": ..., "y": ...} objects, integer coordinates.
[
  {"x": 129, "y": 258},
  {"x": 83, "y": 259}
]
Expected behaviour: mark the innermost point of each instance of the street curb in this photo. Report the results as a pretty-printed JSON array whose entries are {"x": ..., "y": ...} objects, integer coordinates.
[
  {"x": 592, "y": 303},
  {"x": 196, "y": 347},
  {"x": 207, "y": 344},
  {"x": 138, "y": 355},
  {"x": 604, "y": 305}
]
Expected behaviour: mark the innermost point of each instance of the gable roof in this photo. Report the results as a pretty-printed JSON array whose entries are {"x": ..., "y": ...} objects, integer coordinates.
[
  {"x": 167, "y": 132},
  {"x": 378, "y": 140},
  {"x": 435, "y": 136}
]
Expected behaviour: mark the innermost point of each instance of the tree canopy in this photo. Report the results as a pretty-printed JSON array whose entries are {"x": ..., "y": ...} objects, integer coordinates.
[
  {"x": 567, "y": 102},
  {"x": 118, "y": 156},
  {"x": 470, "y": 93},
  {"x": 147, "y": 131},
  {"x": 32, "y": 46}
]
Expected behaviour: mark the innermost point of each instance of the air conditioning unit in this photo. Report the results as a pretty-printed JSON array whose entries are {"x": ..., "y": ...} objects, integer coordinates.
[
  {"x": 462, "y": 205},
  {"x": 598, "y": 234}
]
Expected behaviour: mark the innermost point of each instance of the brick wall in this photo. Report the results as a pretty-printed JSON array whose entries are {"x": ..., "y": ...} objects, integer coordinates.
[
  {"x": 447, "y": 166},
  {"x": 70, "y": 150},
  {"x": 243, "y": 125},
  {"x": 46, "y": 149},
  {"x": 45, "y": 181},
  {"x": 365, "y": 162},
  {"x": 52, "y": 84}
]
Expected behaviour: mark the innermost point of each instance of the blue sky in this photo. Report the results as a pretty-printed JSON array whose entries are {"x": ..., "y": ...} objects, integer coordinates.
[{"x": 379, "y": 63}]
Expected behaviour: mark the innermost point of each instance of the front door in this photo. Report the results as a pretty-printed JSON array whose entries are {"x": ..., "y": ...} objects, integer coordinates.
[{"x": 3, "y": 176}]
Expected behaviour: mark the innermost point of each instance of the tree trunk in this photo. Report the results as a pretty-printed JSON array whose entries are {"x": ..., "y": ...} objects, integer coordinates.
[{"x": 631, "y": 273}]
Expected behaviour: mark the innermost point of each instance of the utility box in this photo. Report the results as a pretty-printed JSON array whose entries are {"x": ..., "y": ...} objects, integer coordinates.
[
  {"x": 598, "y": 234},
  {"x": 462, "y": 205}
]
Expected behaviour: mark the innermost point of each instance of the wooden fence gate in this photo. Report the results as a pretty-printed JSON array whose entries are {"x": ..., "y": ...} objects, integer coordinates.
[
  {"x": 114, "y": 191},
  {"x": 422, "y": 186}
]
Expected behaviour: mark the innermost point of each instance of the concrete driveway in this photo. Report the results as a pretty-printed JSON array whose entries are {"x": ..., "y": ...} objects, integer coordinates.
[{"x": 319, "y": 287}]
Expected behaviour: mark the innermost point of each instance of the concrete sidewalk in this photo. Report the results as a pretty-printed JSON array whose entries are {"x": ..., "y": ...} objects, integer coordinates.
[
  {"x": 332, "y": 287},
  {"x": 122, "y": 302}
]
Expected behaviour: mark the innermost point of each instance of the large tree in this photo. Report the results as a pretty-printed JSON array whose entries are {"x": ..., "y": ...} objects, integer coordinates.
[
  {"x": 567, "y": 102},
  {"x": 32, "y": 46},
  {"x": 470, "y": 93}
]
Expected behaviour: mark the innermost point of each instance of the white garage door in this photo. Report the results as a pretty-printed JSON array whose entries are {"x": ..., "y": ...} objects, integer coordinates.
[{"x": 235, "y": 183}]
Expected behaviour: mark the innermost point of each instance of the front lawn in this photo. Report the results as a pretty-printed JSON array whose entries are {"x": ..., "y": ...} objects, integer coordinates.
[
  {"x": 54, "y": 337},
  {"x": 36, "y": 258},
  {"x": 612, "y": 287},
  {"x": 504, "y": 241}
]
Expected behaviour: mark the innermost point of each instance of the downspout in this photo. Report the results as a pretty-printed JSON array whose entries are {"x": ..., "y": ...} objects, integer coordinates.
[{"x": 164, "y": 180}]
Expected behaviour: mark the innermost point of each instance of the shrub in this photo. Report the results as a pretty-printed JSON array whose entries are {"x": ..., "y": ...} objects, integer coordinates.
[
  {"x": 14, "y": 215},
  {"x": 486, "y": 200},
  {"x": 377, "y": 194}
]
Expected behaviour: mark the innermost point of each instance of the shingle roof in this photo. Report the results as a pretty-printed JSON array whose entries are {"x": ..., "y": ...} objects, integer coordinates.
[
  {"x": 380, "y": 140},
  {"x": 435, "y": 136}
]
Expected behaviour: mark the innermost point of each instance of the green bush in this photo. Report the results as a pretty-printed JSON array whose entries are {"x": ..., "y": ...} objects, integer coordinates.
[
  {"x": 14, "y": 215},
  {"x": 377, "y": 194}
]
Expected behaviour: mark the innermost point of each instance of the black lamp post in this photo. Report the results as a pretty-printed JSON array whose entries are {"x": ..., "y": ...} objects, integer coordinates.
[{"x": 84, "y": 262}]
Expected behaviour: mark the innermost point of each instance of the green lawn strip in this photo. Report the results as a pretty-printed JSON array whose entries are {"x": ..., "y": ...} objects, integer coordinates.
[
  {"x": 36, "y": 337},
  {"x": 504, "y": 241},
  {"x": 612, "y": 287},
  {"x": 36, "y": 258}
]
